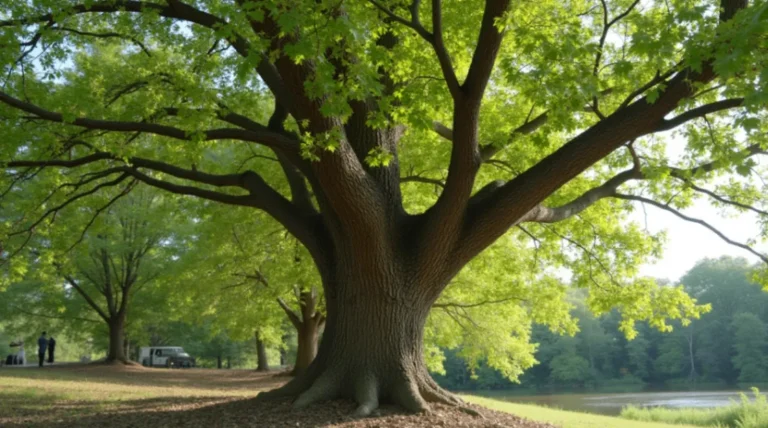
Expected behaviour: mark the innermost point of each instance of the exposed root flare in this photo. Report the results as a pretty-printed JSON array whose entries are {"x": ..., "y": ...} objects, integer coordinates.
[
  {"x": 326, "y": 387},
  {"x": 367, "y": 396},
  {"x": 407, "y": 395},
  {"x": 291, "y": 389},
  {"x": 433, "y": 393},
  {"x": 471, "y": 411},
  {"x": 413, "y": 393}
]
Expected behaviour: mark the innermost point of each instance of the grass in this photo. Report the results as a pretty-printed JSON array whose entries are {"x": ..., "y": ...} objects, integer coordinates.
[
  {"x": 82, "y": 396},
  {"x": 743, "y": 414},
  {"x": 32, "y": 397},
  {"x": 564, "y": 418}
]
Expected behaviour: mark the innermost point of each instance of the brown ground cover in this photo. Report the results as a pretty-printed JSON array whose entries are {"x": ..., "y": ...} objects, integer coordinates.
[{"x": 133, "y": 396}]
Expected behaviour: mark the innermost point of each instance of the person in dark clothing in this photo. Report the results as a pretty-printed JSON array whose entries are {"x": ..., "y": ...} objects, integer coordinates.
[
  {"x": 42, "y": 344},
  {"x": 51, "y": 349}
]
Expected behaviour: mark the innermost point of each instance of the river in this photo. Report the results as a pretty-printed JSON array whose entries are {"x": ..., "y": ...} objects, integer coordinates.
[{"x": 611, "y": 404}]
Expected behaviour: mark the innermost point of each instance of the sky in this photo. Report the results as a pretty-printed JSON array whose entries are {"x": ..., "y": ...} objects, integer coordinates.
[{"x": 689, "y": 242}]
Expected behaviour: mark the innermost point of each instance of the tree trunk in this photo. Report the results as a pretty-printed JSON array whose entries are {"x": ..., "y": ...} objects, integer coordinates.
[
  {"x": 306, "y": 351},
  {"x": 229, "y": 363},
  {"x": 307, "y": 322},
  {"x": 116, "y": 350},
  {"x": 262, "y": 364},
  {"x": 218, "y": 362},
  {"x": 371, "y": 351}
]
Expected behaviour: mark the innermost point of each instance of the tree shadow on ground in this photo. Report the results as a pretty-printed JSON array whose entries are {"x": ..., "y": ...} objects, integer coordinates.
[
  {"x": 24, "y": 410},
  {"x": 157, "y": 377}
]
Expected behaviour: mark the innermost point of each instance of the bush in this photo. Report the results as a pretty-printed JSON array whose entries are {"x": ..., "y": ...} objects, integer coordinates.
[{"x": 743, "y": 414}]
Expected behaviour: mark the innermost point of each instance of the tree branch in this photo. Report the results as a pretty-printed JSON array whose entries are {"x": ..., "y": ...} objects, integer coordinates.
[
  {"x": 420, "y": 179},
  {"x": 488, "y": 44},
  {"x": 542, "y": 214},
  {"x": 177, "y": 10},
  {"x": 53, "y": 317},
  {"x": 474, "y": 305},
  {"x": 266, "y": 138},
  {"x": 667, "y": 208},
  {"x": 698, "y": 112},
  {"x": 87, "y": 298},
  {"x": 108, "y": 35},
  {"x": 443, "y": 57},
  {"x": 292, "y": 316}
]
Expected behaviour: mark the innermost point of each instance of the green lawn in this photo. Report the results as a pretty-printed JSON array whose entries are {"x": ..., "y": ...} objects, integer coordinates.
[{"x": 564, "y": 418}]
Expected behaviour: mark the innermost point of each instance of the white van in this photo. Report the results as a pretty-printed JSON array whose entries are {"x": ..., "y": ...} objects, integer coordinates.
[{"x": 165, "y": 356}]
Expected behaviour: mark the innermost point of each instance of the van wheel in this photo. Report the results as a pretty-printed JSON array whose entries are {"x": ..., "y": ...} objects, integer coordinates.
[{"x": 145, "y": 362}]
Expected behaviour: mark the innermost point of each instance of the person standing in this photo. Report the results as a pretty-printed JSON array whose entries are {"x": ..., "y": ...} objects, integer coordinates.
[
  {"x": 51, "y": 349},
  {"x": 21, "y": 356},
  {"x": 42, "y": 344}
]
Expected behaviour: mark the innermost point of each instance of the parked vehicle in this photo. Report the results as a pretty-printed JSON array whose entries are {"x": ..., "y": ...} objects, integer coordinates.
[{"x": 165, "y": 356}]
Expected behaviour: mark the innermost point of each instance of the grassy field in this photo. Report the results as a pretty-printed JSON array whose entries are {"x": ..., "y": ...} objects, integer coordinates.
[
  {"x": 564, "y": 418},
  {"x": 118, "y": 396},
  {"x": 744, "y": 414}
]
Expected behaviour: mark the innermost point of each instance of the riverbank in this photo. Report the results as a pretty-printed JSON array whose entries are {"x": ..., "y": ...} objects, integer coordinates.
[
  {"x": 748, "y": 412},
  {"x": 566, "y": 419}
]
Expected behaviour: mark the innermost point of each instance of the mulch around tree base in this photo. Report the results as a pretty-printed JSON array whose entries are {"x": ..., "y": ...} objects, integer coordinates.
[{"x": 336, "y": 414}]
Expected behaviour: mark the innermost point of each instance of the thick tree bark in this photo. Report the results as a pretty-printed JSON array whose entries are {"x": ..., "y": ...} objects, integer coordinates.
[
  {"x": 116, "y": 350},
  {"x": 372, "y": 349},
  {"x": 262, "y": 364}
]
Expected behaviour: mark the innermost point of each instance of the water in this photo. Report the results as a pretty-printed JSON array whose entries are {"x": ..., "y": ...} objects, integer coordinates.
[{"x": 611, "y": 404}]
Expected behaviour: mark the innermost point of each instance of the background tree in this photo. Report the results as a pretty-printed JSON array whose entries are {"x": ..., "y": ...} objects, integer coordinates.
[
  {"x": 750, "y": 343},
  {"x": 94, "y": 283},
  {"x": 353, "y": 110}
]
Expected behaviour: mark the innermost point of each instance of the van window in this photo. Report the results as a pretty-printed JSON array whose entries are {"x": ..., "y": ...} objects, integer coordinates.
[{"x": 158, "y": 352}]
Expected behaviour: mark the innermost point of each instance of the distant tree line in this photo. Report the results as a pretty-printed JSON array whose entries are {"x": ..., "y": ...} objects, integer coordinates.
[{"x": 725, "y": 347}]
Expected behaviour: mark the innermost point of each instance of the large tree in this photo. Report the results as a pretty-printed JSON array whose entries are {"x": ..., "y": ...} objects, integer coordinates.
[{"x": 374, "y": 97}]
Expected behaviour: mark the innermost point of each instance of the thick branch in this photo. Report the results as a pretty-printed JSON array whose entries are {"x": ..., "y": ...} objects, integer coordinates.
[
  {"x": 542, "y": 214},
  {"x": 487, "y": 151},
  {"x": 488, "y": 44},
  {"x": 514, "y": 200}
]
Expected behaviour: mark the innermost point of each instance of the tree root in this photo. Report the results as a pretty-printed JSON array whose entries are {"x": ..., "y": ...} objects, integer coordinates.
[
  {"x": 292, "y": 389},
  {"x": 433, "y": 393},
  {"x": 406, "y": 394},
  {"x": 367, "y": 396},
  {"x": 412, "y": 393},
  {"x": 326, "y": 387}
]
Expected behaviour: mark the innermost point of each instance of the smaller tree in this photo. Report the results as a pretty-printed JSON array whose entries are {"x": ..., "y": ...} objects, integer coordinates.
[
  {"x": 308, "y": 323},
  {"x": 638, "y": 357},
  {"x": 751, "y": 344},
  {"x": 87, "y": 267}
]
